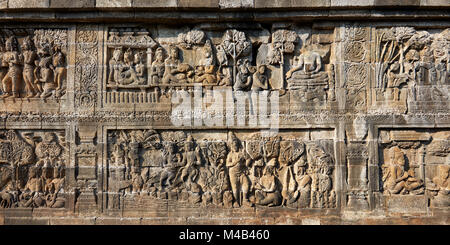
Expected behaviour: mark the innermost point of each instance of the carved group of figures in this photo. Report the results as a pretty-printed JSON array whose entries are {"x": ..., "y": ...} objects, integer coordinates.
[
  {"x": 232, "y": 173},
  {"x": 35, "y": 68},
  {"x": 228, "y": 63},
  {"x": 403, "y": 170},
  {"x": 409, "y": 58},
  {"x": 32, "y": 169}
]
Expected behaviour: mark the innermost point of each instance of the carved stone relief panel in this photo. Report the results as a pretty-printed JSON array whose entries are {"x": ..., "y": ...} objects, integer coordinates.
[
  {"x": 415, "y": 162},
  {"x": 32, "y": 168},
  {"x": 411, "y": 69},
  {"x": 221, "y": 168},
  {"x": 143, "y": 66},
  {"x": 33, "y": 70}
]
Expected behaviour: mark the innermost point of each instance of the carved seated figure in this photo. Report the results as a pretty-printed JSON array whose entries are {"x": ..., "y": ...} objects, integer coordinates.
[
  {"x": 396, "y": 179},
  {"x": 205, "y": 75},
  {"x": 175, "y": 71},
  {"x": 44, "y": 73},
  {"x": 267, "y": 192},
  {"x": 131, "y": 73},
  {"x": 395, "y": 80},
  {"x": 440, "y": 187},
  {"x": 32, "y": 195},
  {"x": 260, "y": 80},
  {"x": 243, "y": 77},
  {"x": 307, "y": 76}
]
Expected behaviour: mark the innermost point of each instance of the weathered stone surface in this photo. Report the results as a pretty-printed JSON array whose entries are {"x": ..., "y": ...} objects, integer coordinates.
[
  {"x": 224, "y": 112},
  {"x": 155, "y": 3},
  {"x": 72, "y": 4},
  {"x": 113, "y": 3},
  {"x": 28, "y": 4}
]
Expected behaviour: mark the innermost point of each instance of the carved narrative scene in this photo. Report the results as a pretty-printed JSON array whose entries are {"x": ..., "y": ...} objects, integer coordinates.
[
  {"x": 145, "y": 70},
  {"x": 32, "y": 168},
  {"x": 225, "y": 169},
  {"x": 416, "y": 162},
  {"x": 33, "y": 63}
]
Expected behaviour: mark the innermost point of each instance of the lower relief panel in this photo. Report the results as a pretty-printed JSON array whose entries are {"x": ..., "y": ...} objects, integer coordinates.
[
  {"x": 156, "y": 170},
  {"x": 414, "y": 169},
  {"x": 32, "y": 169}
]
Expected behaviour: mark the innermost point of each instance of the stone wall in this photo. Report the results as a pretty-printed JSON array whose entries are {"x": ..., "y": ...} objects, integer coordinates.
[{"x": 224, "y": 112}]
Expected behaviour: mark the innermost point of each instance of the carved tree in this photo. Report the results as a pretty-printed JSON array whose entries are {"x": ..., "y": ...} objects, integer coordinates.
[
  {"x": 398, "y": 41},
  {"x": 194, "y": 37},
  {"x": 235, "y": 44},
  {"x": 283, "y": 42}
]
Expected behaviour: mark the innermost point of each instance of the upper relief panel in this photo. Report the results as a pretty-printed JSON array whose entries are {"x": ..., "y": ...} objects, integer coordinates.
[
  {"x": 145, "y": 65},
  {"x": 33, "y": 70},
  {"x": 411, "y": 69}
]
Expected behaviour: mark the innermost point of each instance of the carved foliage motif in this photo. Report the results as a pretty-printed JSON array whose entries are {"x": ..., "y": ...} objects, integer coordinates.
[
  {"x": 223, "y": 172},
  {"x": 86, "y": 66},
  {"x": 411, "y": 64},
  {"x": 32, "y": 169}
]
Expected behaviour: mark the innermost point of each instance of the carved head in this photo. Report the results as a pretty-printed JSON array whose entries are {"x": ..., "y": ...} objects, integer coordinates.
[
  {"x": 27, "y": 43},
  {"x": 412, "y": 55},
  {"x": 128, "y": 56},
  {"x": 262, "y": 69},
  {"x": 11, "y": 44},
  {"x": 49, "y": 137},
  {"x": 138, "y": 57},
  {"x": 173, "y": 51},
  {"x": 189, "y": 143},
  {"x": 243, "y": 65},
  {"x": 235, "y": 143},
  {"x": 117, "y": 54},
  {"x": 159, "y": 55}
]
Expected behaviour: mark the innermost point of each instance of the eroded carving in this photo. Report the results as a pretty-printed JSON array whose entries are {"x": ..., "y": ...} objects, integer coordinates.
[
  {"x": 33, "y": 169},
  {"x": 33, "y": 63},
  {"x": 228, "y": 172}
]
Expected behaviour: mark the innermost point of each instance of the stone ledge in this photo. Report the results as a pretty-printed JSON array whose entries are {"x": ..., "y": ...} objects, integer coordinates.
[{"x": 218, "y": 4}]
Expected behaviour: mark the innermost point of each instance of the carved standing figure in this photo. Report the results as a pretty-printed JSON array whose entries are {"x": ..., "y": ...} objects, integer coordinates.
[
  {"x": 59, "y": 64},
  {"x": 12, "y": 80},
  {"x": 115, "y": 66},
  {"x": 29, "y": 57},
  {"x": 43, "y": 73},
  {"x": 237, "y": 164},
  {"x": 158, "y": 67}
]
